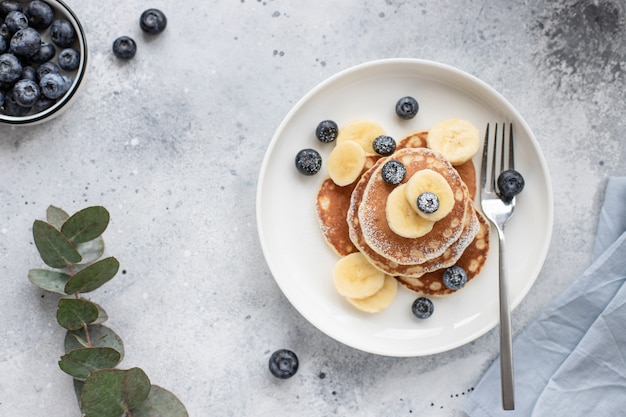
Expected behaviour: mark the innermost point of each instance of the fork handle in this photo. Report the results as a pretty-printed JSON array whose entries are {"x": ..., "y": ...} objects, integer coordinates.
[{"x": 506, "y": 343}]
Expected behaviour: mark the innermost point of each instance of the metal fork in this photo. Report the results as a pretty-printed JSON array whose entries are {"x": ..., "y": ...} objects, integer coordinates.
[{"x": 498, "y": 211}]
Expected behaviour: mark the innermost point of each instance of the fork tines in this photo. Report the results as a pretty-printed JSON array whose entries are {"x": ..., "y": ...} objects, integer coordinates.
[{"x": 501, "y": 146}]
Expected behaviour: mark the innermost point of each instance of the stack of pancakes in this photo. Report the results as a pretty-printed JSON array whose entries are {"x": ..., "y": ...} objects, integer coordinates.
[{"x": 352, "y": 218}]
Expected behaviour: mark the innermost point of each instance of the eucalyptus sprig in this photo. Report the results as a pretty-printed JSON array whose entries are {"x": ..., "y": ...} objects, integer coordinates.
[{"x": 73, "y": 246}]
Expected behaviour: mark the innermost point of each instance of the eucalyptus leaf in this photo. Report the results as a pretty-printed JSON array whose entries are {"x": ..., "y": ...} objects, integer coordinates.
[
  {"x": 56, "y": 217},
  {"x": 113, "y": 392},
  {"x": 102, "y": 315},
  {"x": 49, "y": 280},
  {"x": 160, "y": 403},
  {"x": 54, "y": 248},
  {"x": 86, "y": 225},
  {"x": 80, "y": 362},
  {"x": 78, "y": 389},
  {"x": 91, "y": 250},
  {"x": 72, "y": 314},
  {"x": 93, "y": 276},
  {"x": 99, "y": 335}
]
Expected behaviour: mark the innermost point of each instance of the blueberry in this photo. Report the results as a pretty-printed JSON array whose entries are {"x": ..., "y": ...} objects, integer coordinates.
[
  {"x": 124, "y": 47},
  {"x": 153, "y": 21},
  {"x": 4, "y": 44},
  {"x": 283, "y": 364},
  {"x": 308, "y": 162},
  {"x": 510, "y": 184},
  {"x": 28, "y": 73},
  {"x": 45, "y": 53},
  {"x": 26, "y": 43},
  {"x": 47, "y": 68},
  {"x": 54, "y": 85},
  {"x": 10, "y": 68},
  {"x": 393, "y": 172},
  {"x": 15, "y": 21},
  {"x": 62, "y": 33},
  {"x": 26, "y": 93},
  {"x": 384, "y": 145},
  {"x": 8, "y": 6},
  {"x": 422, "y": 307},
  {"x": 43, "y": 103},
  {"x": 428, "y": 202},
  {"x": 1, "y": 99},
  {"x": 454, "y": 277},
  {"x": 12, "y": 108},
  {"x": 407, "y": 107},
  {"x": 39, "y": 14},
  {"x": 69, "y": 59},
  {"x": 327, "y": 131},
  {"x": 4, "y": 31}
]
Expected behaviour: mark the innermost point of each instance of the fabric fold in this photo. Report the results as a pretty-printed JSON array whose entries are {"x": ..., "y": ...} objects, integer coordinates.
[{"x": 555, "y": 352}]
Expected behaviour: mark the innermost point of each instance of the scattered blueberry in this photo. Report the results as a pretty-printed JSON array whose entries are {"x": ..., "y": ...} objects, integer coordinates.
[
  {"x": 10, "y": 68},
  {"x": 308, "y": 162},
  {"x": 39, "y": 14},
  {"x": 393, "y": 172},
  {"x": 384, "y": 145},
  {"x": 153, "y": 21},
  {"x": 15, "y": 21},
  {"x": 283, "y": 364},
  {"x": 428, "y": 202},
  {"x": 69, "y": 59},
  {"x": 54, "y": 85},
  {"x": 62, "y": 33},
  {"x": 124, "y": 47},
  {"x": 407, "y": 107},
  {"x": 422, "y": 308},
  {"x": 454, "y": 277},
  {"x": 327, "y": 131},
  {"x": 26, "y": 92},
  {"x": 510, "y": 183}
]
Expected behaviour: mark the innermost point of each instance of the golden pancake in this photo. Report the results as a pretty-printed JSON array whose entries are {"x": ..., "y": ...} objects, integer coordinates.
[
  {"x": 371, "y": 212},
  {"x": 472, "y": 261}
]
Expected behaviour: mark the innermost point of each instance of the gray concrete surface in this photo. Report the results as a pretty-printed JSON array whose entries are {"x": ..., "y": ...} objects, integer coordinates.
[{"x": 172, "y": 141}]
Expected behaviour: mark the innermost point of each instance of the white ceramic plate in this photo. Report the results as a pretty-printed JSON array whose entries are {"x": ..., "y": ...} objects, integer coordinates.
[{"x": 298, "y": 256}]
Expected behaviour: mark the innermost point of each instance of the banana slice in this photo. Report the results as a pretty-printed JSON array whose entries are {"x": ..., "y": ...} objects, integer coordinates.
[
  {"x": 427, "y": 180},
  {"x": 345, "y": 162},
  {"x": 355, "y": 277},
  {"x": 380, "y": 300},
  {"x": 457, "y": 140},
  {"x": 402, "y": 219},
  {"x": 362, "y": 132}
]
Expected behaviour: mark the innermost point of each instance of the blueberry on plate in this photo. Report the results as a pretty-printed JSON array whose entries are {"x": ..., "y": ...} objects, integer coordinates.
[
  {"x": 428, "y": 202},
  {"x": 510, "y": 183},
  {"x": 326, "y": 131},
  {"x": 393, "y": 172},
  {"x": 153, "y": 21},
  {"x": 422, "y": 308},
  {"x": 62, "y": 33},
  {"x": 407, "y": 107},
  {"x": 283, "y": 364},
  {"x": 308, "y": 162},
  {"x": 69, "y": 59},
  {"x": 454, "y": 277},
  {"x": 124, "y": 47},
  {"x": 39, "y": 14},
  {"x": 26, "y": 92},
  {"x": 384, "y": 145},
  {"x": 10, "y": 68}
]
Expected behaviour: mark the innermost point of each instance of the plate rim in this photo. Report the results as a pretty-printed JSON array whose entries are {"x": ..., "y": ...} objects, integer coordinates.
[{"x": 423, "y": 63}]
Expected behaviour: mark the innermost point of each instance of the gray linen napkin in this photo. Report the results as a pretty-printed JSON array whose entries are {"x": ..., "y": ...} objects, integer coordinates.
[{"x": 572, "y": 360}]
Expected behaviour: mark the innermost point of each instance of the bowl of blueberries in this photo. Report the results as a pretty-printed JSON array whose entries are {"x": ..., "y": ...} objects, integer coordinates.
[{"x": 43, "y": 58}]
